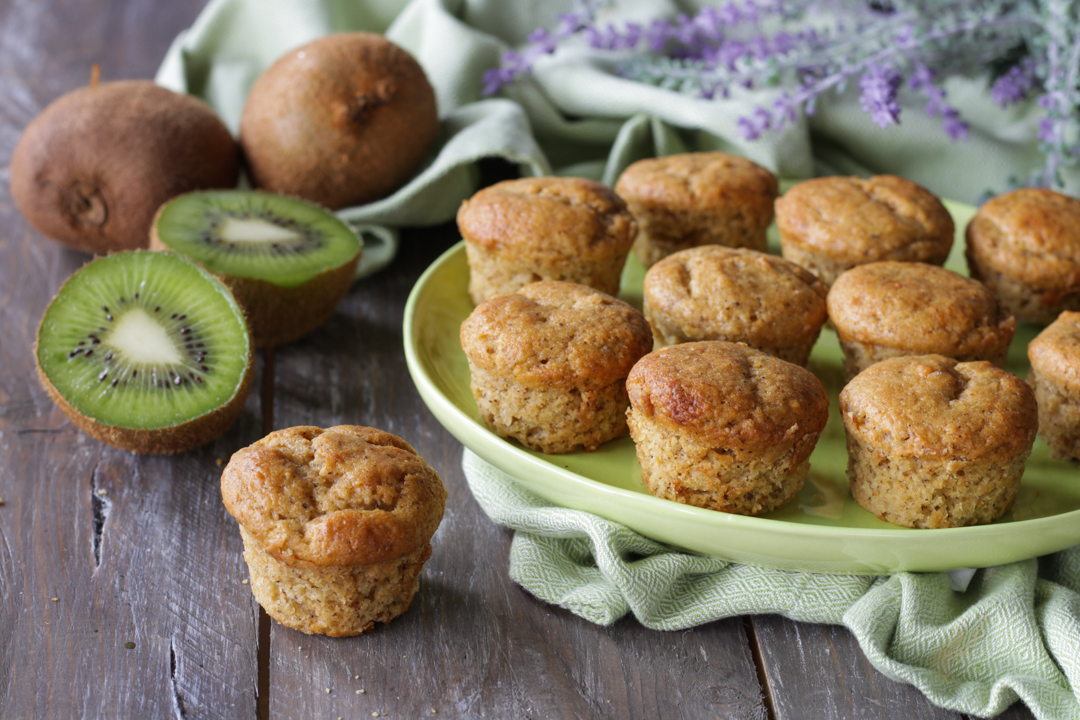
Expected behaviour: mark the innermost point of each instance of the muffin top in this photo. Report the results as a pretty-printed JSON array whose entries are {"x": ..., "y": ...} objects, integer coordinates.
[
  {"x": 854, "y": 221},
  {"x": 347, "y": 495},
  {"x": 1032, "y": 235},
  {"x": 548, "y": 217},
  {"x": 918, "y": 307},
  {"x": 728, "y": 395},
  {"x": 713, "y": 291},
  {"x": 698, "y": 181},
  {"x": 1055, "y": 352},
  {"x": 554, "y": 333},
  {"x": 930, "y": 406}
]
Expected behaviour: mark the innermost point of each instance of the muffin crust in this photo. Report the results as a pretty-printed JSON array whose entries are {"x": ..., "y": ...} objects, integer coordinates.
[
  {"x": 933, "y": 442},
  {"x": 831, "y": 224},
  {"x": 692, "y": 199},
  {"x": 1055, "y": 376},
  {"x": 737, "y": 295},
  {"x": 326, "y": 513},
  {"x": 544, "y": 228},
  {"x": 548, "y": 364},
  {"x": 1025, "y": 246},
  {"x": 723, "y": 426},
  {"x": 889, "y": 309}
]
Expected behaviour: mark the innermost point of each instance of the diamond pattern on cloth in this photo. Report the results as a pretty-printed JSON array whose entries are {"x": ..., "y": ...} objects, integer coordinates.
[{"x": 1013, "y": 633}]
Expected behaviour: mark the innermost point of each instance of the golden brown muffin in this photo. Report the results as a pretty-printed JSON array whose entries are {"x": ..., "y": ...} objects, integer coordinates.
[
  {"x": 692, "y": 199},
  {"x": 723, "y": 426},
  {"x": 544, "y": 228},
  {"x": 831, "y": 224},
  {"x": 936, "y": 443},
  {"x": 738, "y": 295},
  {"x": 1055, "y": 376},
  {"x": 549, "y": 364},
  {"x": 1025, "y": 246},
  {"x": 336, "y": 524},
  {"x": 888, "y": 309}
]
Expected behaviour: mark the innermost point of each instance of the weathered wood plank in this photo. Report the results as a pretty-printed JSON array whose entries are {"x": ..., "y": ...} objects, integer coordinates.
[
  {"x": 115, "y": 598},
  {"x": 817, "y": 671},
  {"x": 473, "y": 644}
]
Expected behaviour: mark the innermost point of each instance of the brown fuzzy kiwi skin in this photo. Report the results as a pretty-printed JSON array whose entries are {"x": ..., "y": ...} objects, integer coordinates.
[
  {"x": 164, "y": 441},
  {"x": 92, "y": 169},
  {"x": 277, "y": 315},
  {"x": 341, "y": 121}
]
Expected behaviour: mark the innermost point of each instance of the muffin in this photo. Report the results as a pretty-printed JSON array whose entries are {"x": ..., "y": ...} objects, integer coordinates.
[
  {"x": 1025, "y": 246},
  {"x": 544, "y": 228},
  {"x": 1055, "y": 376},
  {"x": 936, "y": 443},
  {"x": 725, "y": 427},
  {"x": 888, "y": 309},
  {"x": 738, "y": 295},
  {"x": 336, "y": 524},
  {"x": 708, "y": 198},
  {"x": 831, "y": 224},
  {"x": 549, "y": 364}
]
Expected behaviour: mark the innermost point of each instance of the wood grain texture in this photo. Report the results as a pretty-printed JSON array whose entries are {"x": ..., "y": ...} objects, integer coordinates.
[
  {"x": 816, "y": 671},
  {"x": 109, "y": 607},
  {"x": 473, "y": 644}
]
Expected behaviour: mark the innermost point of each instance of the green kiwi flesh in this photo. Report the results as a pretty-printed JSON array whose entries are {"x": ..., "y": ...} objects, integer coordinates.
[
  {"x": 258, "y": 235},
  {"x": 146, "y": 351}
]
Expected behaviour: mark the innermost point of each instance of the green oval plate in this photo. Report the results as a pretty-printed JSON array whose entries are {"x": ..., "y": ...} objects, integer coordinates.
[{"x": 822, "y": 530}]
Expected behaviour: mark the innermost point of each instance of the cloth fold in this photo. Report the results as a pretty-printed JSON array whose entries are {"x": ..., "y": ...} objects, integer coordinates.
[
  {"x": 575, "y": 115},
  {"x": 1014, "y": 633}
]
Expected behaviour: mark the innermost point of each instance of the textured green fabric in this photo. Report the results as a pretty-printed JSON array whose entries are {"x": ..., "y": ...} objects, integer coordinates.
[
  {"x": 575, "y": 116},
  {"x": 1013, "y": 633}
]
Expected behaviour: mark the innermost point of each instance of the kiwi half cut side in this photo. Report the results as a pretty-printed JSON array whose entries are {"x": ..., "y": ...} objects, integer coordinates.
[
  {"x": 288, "y": 262},
  {"x": 147, "y": 352}
]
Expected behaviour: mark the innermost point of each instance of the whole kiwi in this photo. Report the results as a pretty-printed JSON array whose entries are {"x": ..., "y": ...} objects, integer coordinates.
[
  {"x": 92, "y": 169},
  {"x": 341, "y": 121}
]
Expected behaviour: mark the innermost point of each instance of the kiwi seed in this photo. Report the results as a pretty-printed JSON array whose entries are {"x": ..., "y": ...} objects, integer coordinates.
[
  {"x": 92, "y": 169},
  {"x": 341, "y": 121},
  {"x": 146, "y": 352},
  {"x": 288, "y": 262}
]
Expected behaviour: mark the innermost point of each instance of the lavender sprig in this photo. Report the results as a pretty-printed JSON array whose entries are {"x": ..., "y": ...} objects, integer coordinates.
[
  {"x": 811, "y": 47},
  {"x": 515, "y": 64}
]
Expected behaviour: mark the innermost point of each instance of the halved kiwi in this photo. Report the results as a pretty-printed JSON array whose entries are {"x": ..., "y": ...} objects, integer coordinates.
[
  {"x": 147, "y": 352},
  {"x": 288, "y": 262}
]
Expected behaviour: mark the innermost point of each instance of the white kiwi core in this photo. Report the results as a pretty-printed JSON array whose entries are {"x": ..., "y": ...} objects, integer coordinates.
[
  {"x": 255, "y": 230},
  {"x": 142, "y": 339}
]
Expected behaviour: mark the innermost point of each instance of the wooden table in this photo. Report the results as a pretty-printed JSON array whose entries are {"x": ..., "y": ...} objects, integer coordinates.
[{"x": 122, "y": 587}]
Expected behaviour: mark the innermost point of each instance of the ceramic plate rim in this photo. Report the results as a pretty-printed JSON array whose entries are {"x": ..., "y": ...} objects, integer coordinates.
[{"x": 495, "y": 450}]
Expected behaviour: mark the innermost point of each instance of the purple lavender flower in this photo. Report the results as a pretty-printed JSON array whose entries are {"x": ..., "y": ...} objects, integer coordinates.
[
  {"x": 922, "y": 79},
  {"x": 877, "y": 94},
  {"x": 1047, "y": 130},
  {"x": 955, "y": 127},
  {"x": 1015, "y": 85},
  {"x": 657, "y": 34},
  {"x": 709, "y": 23},
  {"x": 543, "y": 40},
  {"x": 756, "y": 125},
  {"x": 632, "y": 35},
  {"x": 763, "y": 43}
]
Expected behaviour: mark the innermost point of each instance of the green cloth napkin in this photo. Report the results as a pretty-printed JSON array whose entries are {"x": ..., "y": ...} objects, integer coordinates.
[
  {"x": 1013, "y": 633},
  {"x": 575, "y": 116}
]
